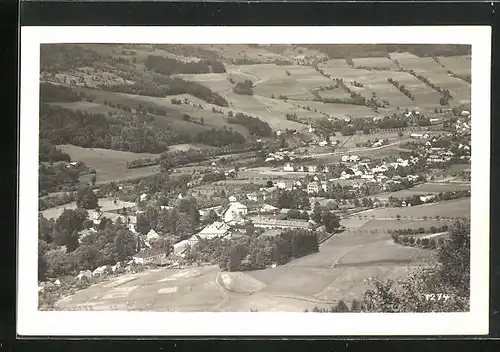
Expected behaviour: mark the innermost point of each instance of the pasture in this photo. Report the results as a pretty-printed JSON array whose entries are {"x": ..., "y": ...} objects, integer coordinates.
[
  {"x": 106, "y": 204},
  {"x": 377, "y": 62},
  {"x": 428, "y": 188},
  {"x": 460, "y": 65},
  {"x": 110, "y": 165},
  {"x": 445, "y": 209}
]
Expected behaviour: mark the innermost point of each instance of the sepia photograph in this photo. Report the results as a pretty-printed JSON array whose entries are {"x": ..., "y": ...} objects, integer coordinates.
[{"x": 243, "y": 176}]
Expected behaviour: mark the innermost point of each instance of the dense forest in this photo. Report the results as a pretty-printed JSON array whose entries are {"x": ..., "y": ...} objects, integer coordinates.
[
  {"x": 58, "y": 93},
  {"x": 63, "y": 126},
  {"x": 244, "y": 88},
  {"x": 340, "y": 51},
  {"x": 219, "y": 138},
  {"x": 253, "y": 252},
  {"x": 168, "y": 66},
  {"x": 57, "y": 57}
]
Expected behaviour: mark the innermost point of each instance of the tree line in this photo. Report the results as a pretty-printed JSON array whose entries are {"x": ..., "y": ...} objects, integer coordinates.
[
  {"x": 168, "y": 66},
  {"x": 165, "y": 86},
  {"x": 253, "y": 251},
  {"x": 254, "y": 125}
]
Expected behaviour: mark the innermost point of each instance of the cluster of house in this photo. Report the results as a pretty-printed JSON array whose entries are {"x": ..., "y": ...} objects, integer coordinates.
[
  {"x": 280, "y": 155},
  {"x": 237, "y": 213},
  {"x": 289, "y": 167},
  {"x": 441, "y": 155}
]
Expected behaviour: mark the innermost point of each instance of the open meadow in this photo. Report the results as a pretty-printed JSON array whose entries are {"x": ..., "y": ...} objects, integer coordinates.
[{"x": 110, "y": 165}]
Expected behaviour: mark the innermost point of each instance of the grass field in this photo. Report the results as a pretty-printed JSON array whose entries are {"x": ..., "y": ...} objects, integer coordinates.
[
  {"x": 105, "y": 204},
  {"x": 451, "y": 208},
  {"x": 460, "y": 65},
  {"x": 428, "y": 188},
  {"x": 340, "y": 110},
  {"x": 110, "y": 165},
  {"x": 379, "y": 62}
]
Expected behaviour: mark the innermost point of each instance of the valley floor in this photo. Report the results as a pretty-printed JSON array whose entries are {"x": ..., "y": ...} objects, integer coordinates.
[{"x": 337, "y": 272}]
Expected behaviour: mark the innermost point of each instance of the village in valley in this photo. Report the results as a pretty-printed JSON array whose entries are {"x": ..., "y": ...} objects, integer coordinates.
[{"x": 252, "y": 177}]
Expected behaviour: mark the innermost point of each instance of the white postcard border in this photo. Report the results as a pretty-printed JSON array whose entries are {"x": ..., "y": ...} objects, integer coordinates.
[{"x": 31, "y": 322}]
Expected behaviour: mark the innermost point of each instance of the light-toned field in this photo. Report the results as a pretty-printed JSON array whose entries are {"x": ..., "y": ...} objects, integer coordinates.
[
  {"x": 451, "y": 208},
  {"x": 94, "y": 108},
  {"x": 337, "y": 93},
  {"x": 339, "y": 110},
  {"x": 380, "y": 62},
  {"x": 110, "y": 165},
  {"x": 105, "y": 204},
  {"x": 240, "y": 51},
  {"x": 338, "y": 271},
  {"x": 460, "y": 65},
  {"x": 428, "y": 188}
]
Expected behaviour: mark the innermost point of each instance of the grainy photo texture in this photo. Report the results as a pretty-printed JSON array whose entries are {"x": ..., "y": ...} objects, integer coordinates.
[{"x": 254, "y": 178}]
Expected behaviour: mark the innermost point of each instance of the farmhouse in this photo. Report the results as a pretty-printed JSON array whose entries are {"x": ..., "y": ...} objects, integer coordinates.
[
  {"x": 416, "y": 135},
  {"x": 149, "y": 256}
]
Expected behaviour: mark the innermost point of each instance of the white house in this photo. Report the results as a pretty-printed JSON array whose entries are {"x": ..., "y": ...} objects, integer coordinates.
[
  {"x": 323, "y": 143},
  {"x": 149, "y": 256},
  {"x": 193, "y": 240},
  {"x": 132, "y": 223},
  {"x": 416, "y": 135},
  {"x": 465, "y": 113},
  {"x": 180, "y": 247},
  {"x": 96, "y": 216},
  {"x": 313, "y": 187},
  {"x": 427, "y": 198},
  {"x": 344, "y": 158},
  {"x": 152, "y": 235},
  {"x": 284, "y": 184},
  {"x": 354, "y": 158},
  {"x": 311, "y": 168},
  {"x": 143, "y": 197},
  {"x": 234, "y": 211},
  {"x": 288, "y": 167}
]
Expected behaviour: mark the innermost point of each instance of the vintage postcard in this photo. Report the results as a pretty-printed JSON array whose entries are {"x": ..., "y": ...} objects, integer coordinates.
[{"x": 190, "y": 181}]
